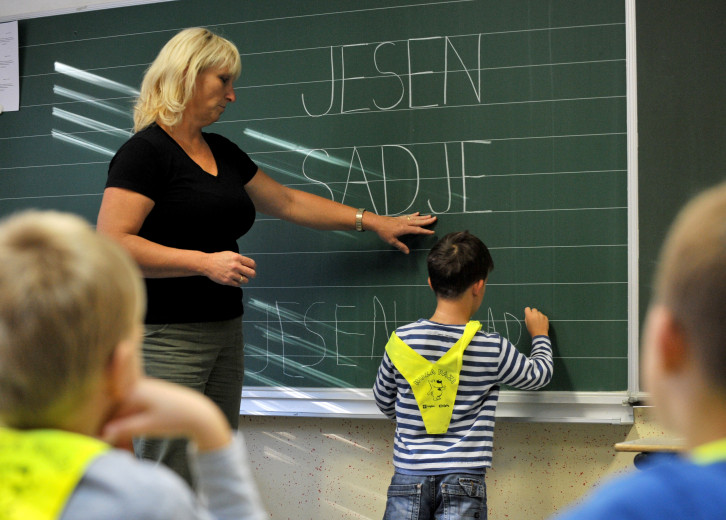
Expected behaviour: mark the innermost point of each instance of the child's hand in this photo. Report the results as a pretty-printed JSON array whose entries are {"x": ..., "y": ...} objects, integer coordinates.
[
  {"x": 156, "y": 408},
  {"x": 537, "y": 323}
]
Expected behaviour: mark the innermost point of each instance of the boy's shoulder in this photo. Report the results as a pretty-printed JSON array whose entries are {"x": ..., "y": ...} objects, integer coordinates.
[
  {"x": 424, "y": 326},
  {"x": 669, "y": 487},
  {"x": 117, "y": 485},
  {"x": 431, "y": 338}
]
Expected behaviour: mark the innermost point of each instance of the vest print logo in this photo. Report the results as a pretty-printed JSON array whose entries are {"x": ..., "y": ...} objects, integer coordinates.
[
  {"x": 437, "y": 380},
  {"x": 440, "y": 376},
  {"x": 437, "y": 389}
]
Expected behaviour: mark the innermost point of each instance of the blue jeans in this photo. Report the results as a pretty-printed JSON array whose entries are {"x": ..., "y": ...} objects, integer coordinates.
[
  {"x": 440, "y": 497},
  {"x": 207, "y": 357}
]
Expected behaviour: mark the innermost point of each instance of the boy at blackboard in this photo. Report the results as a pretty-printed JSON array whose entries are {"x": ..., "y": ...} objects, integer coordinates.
[
  {"x": 439, "y": 379},
  {"x": 71, "y": 305},
  {"x": 684, "y": 370}
]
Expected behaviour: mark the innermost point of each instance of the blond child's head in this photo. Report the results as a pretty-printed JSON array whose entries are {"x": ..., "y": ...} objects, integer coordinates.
[
  {"x": 68, "y": 297},
  {"x": 684, "y": 338},
  {"x": 691, "y": 279}
]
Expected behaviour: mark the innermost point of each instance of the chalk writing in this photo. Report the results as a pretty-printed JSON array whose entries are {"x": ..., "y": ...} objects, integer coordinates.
[
  {"x": 410, "y": 84},
  {"x": 365, "y": 174},
  {"x": 321, "y": 332}
]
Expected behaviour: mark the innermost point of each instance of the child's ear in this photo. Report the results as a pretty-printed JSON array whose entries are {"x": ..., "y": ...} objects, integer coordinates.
[
  {"x": 429, "y": 281},
  {"x": 670, "y": 339},
  {"x": 479, "y": 287},
  {"x": 123, "y": 369}
]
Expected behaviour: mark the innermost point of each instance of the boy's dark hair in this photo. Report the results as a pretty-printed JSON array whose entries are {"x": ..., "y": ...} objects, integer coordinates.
[{"x": 457, "y": 261}]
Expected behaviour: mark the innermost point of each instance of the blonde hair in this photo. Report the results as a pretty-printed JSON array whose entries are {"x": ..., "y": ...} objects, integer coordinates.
[
  {"x": 169, "y": 82},
  {"x": 691, "y": 279},
  {"x": 68, "y": 296}
]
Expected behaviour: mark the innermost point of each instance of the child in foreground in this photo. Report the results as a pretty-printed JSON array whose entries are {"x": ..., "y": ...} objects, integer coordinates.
[
  {"x": 684, "y": 370},
  {"x": 71, "y": 387},
  {"x": 439, "y": 379}
]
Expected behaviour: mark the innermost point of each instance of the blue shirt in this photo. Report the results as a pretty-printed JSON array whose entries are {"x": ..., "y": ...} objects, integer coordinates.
[{"x": 670, "y": 487}]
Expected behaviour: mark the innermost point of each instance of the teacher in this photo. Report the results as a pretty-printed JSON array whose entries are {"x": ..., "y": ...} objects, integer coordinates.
[{"x": 178, "y": 198}]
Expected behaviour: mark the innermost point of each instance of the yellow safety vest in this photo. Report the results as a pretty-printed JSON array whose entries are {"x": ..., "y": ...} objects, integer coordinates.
[
  {"x": 434, "y": 384},
  {"x": 39, "y": 469},
  {"x": 709, "y": 453}
]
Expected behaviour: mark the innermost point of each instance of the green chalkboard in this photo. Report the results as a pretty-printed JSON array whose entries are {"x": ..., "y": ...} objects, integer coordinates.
[
  {"x": 504, "y": 118},
  {"x": 681, "y": 114}
]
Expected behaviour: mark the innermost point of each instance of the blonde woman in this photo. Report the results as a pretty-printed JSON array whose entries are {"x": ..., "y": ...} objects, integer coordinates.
[{"x": 178, "y": 199}]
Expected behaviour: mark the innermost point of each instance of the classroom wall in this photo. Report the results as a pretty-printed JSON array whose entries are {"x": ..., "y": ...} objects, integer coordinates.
[
  {"x": 312, "y": 468},
  {"x": 21, "y": 9}
]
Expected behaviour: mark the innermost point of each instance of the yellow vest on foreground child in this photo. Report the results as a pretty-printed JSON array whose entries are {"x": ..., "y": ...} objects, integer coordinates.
[{"x": 40, "y": 469}]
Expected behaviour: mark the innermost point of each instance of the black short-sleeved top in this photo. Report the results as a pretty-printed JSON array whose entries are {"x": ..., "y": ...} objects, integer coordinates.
[{"x": 192, "y": 210}]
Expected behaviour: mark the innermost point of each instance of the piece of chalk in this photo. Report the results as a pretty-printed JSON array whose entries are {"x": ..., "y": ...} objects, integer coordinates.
[{"x": 1, "y": 109}]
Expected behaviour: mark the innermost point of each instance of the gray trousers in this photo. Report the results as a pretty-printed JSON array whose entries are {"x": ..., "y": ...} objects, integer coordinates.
[{"x": 207, "y": 357}]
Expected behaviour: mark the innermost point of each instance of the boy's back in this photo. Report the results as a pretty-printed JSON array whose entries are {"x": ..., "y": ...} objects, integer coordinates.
[
  {"x": 439, "y": 380},
  {"x": 488, "y": 361},
  {"x": 668, "y": 488}
]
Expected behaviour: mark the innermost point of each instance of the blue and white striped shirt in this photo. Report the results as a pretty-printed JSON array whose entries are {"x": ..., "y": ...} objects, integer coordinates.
[{"x": 489, "y": 361}]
